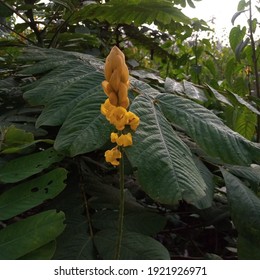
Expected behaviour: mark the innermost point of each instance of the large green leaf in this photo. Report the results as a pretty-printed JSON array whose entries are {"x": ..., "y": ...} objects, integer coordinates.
[
  {"x": 20, "y": 238},
  {"x": 69, "y": 80},
  {"x": 27, "y": 195},
  {"x": 208, "y": 131},
  {"x": 164, "y": 163},
  {"x": 135, "y": 246},
  {"x": 72, "y": 94},
  {"x": 26, "y": 166},
  {"x": 245, "y": 209},
  {"x": 85, "y": 129}
]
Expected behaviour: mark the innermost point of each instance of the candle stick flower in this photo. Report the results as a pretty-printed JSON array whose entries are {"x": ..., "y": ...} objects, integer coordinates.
[{"x": 115, "y": 107}]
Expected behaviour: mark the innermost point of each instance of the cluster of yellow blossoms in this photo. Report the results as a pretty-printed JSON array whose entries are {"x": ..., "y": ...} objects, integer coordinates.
[{"x": 115, "y": 107}]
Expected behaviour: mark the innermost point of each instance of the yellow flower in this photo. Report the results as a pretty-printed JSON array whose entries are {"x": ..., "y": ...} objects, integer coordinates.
[
  {"x": 118, "y": 117},
  {"x": 113, "y": 137},
  {"x": 117, "y": 78},
  {"x": 125, "y": 140},
  {"x": 133, "y": 120},
  {"x": 122, "y": 140},
  {"x": 113, "y": 156}
]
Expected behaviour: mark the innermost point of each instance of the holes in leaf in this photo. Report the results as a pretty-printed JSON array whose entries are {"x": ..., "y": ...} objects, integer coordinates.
[
  {"x": 50, "y": 182},
  {"x": 46, "y": 190},
  {"x": 35, "y": 189}
]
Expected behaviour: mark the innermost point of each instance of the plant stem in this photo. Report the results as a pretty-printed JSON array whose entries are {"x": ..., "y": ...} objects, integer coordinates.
[{"x": 121, "y": 207}]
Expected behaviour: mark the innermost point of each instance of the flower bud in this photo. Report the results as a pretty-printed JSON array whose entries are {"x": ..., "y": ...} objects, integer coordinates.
[{"x": 117, "y": 78}]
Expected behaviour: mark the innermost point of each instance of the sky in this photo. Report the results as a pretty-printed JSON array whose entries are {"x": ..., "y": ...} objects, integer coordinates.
[{"x": 222, "y": 10}]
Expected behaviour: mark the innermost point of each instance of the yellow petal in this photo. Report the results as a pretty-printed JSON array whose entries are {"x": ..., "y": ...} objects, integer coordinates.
[
  {"x": 125, "y": 140},
  {"x": 113, "y": 137},
  {"x": 113, "y": 156},
  {"x": 107, "y": 108},
  {"x": 133, "y": 120},
  {"x": 118, "y": 118}
]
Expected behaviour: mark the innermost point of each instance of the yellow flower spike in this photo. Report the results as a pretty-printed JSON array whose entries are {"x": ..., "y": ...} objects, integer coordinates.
[
  {"x": 125, "y": 140},
  {"x": 113, "y": 156},
  {"x": 133, "y": 120}
]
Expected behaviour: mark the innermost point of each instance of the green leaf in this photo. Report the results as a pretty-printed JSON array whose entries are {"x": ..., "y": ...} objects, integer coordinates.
[
  {"x": 208, "y": 131},
  {"x": 193, "y": 92},
  {"x": 251, "y": 174},
  {"x": 21, "y": 238},
  {"x": 186, "y": 88},
  {"x": 236, "y": 36},
  {"x": 85, "y": 129},
  {"x": 72, "y": 95},
  {"x": 235, "y": 16},
  {"x": 135, "y": 246},
  {"x": 221, "y": 98},
  {"x": 245, "y": 207},
  {"x": 27, "y": 195},
  {"x": 66, "y": 81},
  {"x": 191, "y": 4},
  {"x": 45, "y": 252},
  {"x": 16, "y": 140},
  {"x": 242, "y": 5},
  {"x": 5, "y": 11},
  {"x": 229, "y": 69},
  {"x": 237, "y": 100},
  {"x": 240, "y": 47},
  {"x": 164, "y": 163},
  {"x": 26, "y": 166},
  {"x": 208, "y": 179},
  {"x": 241, "y": 120},
  {"x": 14, "y": 136}
]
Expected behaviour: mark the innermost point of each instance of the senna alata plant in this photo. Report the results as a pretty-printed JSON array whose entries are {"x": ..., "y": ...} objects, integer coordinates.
[{"x": 115, "y": 110}]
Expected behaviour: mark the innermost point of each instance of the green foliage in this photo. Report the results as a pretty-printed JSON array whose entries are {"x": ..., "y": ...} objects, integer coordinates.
[
  {"x": 30, "y": 234},
  {"x": 245, "y": 206},
  {"x": 164, "y": 163},
  {"x": 137, "y": 11},
  {"x": 192, "y": 124},
  {"x": 27, "y": 195},
  {"x": 26, "y": 166}
]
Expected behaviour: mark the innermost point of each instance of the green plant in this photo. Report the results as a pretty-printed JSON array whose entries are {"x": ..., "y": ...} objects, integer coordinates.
[
  {"x": 244, "y": 46},
  {"x": 187, "y": 171},
  {"x": 164, "y": 159}
]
